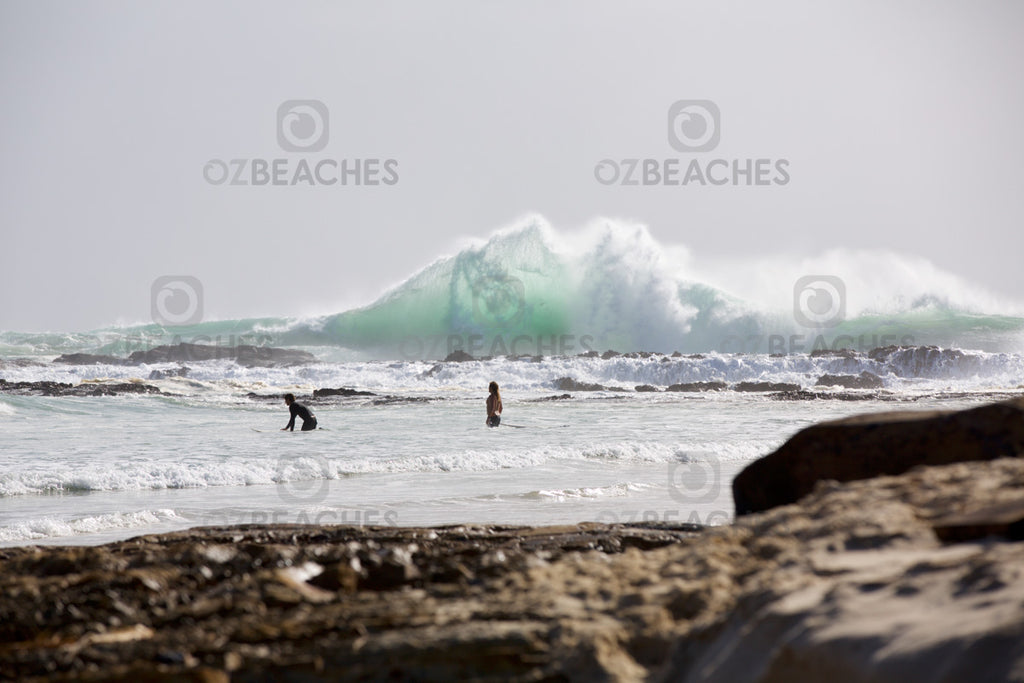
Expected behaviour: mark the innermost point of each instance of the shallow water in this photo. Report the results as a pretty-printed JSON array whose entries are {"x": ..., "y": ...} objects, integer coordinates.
[{"x": 95, "y": 469}]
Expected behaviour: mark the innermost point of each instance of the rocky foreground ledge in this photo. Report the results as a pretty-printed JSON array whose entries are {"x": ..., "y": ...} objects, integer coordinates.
[{"x": 853, "y": 583}]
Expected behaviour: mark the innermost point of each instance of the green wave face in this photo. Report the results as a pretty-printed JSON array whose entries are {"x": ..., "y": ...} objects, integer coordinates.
[{"x": 513, "y": 286}]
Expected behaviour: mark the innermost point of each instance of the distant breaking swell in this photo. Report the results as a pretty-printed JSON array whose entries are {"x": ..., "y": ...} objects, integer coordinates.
[{"x": 532, "y": 291}]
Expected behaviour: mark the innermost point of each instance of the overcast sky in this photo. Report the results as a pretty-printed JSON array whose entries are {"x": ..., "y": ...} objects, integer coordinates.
[{"x": 900, "y": 123}]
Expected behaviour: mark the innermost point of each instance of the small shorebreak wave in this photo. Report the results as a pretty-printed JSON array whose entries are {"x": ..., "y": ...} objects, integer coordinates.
[{"x": 291, "y": 474}]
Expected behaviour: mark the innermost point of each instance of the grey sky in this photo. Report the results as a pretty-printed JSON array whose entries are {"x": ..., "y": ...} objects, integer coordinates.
[{"x": 900, "y": 121}]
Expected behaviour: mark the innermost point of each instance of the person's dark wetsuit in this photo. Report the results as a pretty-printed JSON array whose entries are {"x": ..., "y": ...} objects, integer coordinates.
[{"x": 308, "y": 418}]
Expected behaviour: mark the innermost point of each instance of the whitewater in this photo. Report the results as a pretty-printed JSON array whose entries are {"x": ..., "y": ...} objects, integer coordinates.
[{"x": 639, "y": 379}]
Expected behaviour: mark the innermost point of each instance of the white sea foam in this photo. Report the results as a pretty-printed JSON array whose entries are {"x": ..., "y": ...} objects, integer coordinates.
[
  {"x": 55, "y": 527},
  {"x": 223, "y": 380},
  {"x": 118, "y": 476},
  {"x": 612, "y": 491}
]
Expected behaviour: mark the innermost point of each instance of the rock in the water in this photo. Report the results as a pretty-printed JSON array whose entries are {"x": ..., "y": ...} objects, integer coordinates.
[
  {"x": 698, "y": 386},
  {"x": 766, "y": 386},
  {"x": 871, "y": 445},
  {"x": 91, "y": 388},
  {"x": 89, "y": 359},
  {"x": 243, "y": 354},
  {"x": 165, "y": 374},
  {"x": 865, "y": 380},
  {"x": 458, "y": 356},
  {"x": 569, "y": 384},
  {"x": 834, "y": 353},
  {"x": 642, "y": 388},
  {"x": 342, "y": 391}
]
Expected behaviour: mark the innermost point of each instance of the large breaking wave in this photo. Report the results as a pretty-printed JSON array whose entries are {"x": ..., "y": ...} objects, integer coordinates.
[{"x": 532, "y": 290}]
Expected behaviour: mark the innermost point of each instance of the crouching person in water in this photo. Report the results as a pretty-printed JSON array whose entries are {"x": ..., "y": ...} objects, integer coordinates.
[
  {"x": 493, "y": 406},
  {"x": 297, "y": 409}
]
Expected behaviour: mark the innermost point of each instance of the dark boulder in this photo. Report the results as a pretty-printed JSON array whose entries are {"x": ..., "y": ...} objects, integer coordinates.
[
  {"x": 834, "y": 353},
  {"x": 766, "y": 386},
  {"x": 165, "y": 374},
  {"x": 243, "y": 354},
  {"x": 697, "y": 386},
  {"x": 89, "y": 359},
  {"x": 323, "y": 393},
  {"x": 47, "y": 388},
  {"x": 868, "y": 446},
  {"x": 865, "y": 380},
  {"x": 569, "y": 384}
]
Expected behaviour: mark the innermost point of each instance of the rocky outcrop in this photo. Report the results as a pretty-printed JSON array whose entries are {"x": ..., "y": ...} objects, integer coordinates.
[
  {"x": 864, "y": 590},
  {"x": 807, "y": 395},
  {"x": 865, "y": 380},
  {"x": 569, "y": 384},
  {"x": 765, "y": 386},
  {"x": 90, "y": 359},
  {"x": 169, "y": 374},
  {"x": 309, "y": 603},
  {"x": 341, "y": 391},
  {"x": 871, "y": 445},
  {"x": 91, "y": 388},
  {"x": 243, "y": 354},
  {"x": 851, "y": 584},
  {"x": 697, "y": 386}
]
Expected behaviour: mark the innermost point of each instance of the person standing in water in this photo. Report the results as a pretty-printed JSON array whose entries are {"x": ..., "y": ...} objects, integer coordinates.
[
  {"x": 493, "y": 405},
  {"x": 297, "y": 409}
]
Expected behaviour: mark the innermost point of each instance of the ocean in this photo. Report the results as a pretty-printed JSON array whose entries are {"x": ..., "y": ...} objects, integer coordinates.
[{"x": 634, "y": 435}]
